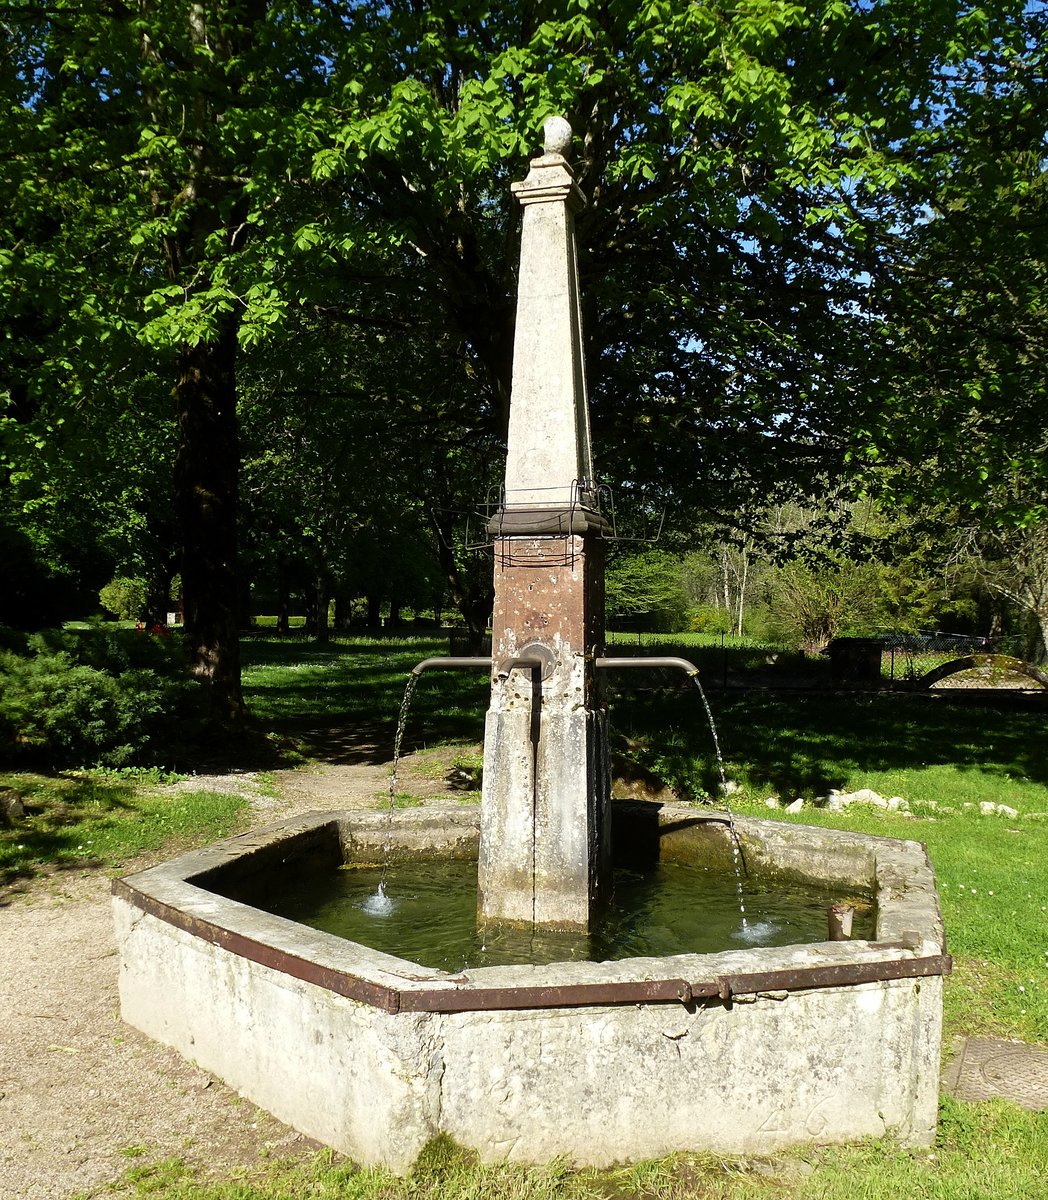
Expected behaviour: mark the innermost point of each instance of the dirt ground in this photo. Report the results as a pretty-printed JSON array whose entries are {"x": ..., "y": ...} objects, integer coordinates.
[{"x": 83, "y": 1097}]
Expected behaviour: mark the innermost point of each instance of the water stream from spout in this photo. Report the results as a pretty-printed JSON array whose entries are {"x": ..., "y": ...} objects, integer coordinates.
[
  {"x": 378, "y": 903},
  {"x": 736, "y": 849}
]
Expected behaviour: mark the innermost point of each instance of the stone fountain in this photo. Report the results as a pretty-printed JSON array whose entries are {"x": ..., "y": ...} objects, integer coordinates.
[
  {"x": 544, "y": 854},
  {"x": 740, "y": 1051}
]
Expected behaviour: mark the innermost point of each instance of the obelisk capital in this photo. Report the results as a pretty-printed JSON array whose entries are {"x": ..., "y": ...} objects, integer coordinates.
[
  {"x": 556, "y": 136},
  {"x": 550, "y": 178}
]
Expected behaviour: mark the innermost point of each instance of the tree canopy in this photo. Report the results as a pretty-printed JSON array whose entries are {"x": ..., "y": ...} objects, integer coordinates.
[{"x": 257, "y": 279}]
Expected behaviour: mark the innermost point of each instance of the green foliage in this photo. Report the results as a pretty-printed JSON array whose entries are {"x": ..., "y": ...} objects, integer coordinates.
[
  {"x": 125, "y": 598},
  {"x": 813, "y": 605},
  {"x": 110, "y": 697},
  {"x": 958, "y": 399},
  {"x": 335, "y": 182},
  {"x": 707, "y": 619},
  {"x": 646, "y": 589}
]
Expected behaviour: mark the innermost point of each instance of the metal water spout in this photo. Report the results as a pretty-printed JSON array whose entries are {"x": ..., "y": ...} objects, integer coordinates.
[
  {"x": 644, "y": 661},
  {"x": 445, "y": 664},
  {"x": 534, "y": 657}
]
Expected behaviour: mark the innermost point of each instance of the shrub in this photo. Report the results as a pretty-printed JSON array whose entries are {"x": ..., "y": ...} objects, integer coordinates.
[
  {"x": 125, "y": 598},
  {"x": 706, "y": 619},
  {"x": 644, "y": 590},
  {"x": 813, "y": 605},
  {"x": 106, "y": 697}
]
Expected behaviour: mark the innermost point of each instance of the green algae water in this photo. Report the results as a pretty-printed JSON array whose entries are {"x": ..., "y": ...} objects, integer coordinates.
[{"x": 426, "y": 912}]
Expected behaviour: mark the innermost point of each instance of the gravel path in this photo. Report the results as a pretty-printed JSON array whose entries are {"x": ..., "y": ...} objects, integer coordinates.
[{"x": 84, "y": 1096}]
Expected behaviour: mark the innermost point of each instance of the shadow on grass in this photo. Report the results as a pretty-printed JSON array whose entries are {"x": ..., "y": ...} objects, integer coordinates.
[
  {"x": 806, "y": 744},
  {"x": 339, "y": 702},
  {"x": 60, "y": 813}
]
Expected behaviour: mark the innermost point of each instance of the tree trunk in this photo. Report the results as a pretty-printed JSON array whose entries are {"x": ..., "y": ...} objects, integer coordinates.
[
  {"x": 741, "y": 608},
  {"x": 1038, "y": 651},
  {"x": 283, "y": 602},
  {"x": 374, "y": 612},
  {"x": 159, "y": 602},
  {"x": 206, "y": 488},
  {"x": 726, "y": 594},
  {"x": 343, "y": 611},
  {"x": 322, "y": 632}
]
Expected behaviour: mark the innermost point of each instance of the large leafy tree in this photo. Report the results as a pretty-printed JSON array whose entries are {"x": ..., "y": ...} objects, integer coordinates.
[
  {"x": 736, "y": 160},
  {"x": 154, "y": 158},
  {"x": 190, "y": 181},
  {"x": 960, "y": 428},
  {"x": 338, "y": 486}
]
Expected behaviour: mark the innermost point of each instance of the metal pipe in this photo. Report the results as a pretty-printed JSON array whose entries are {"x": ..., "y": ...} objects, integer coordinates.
[
  {"x": 525, "y": 661},
  {"x": 428, "y": 664},
  {"x": 615, "y": 664}
]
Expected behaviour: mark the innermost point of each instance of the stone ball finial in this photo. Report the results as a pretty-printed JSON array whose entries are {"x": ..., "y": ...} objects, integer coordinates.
[{"x": 556, "y": 133}]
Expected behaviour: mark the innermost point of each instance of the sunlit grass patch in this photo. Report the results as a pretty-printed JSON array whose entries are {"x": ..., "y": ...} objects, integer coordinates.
[
  {"x": 992, "y": 1149},
  {"x": 84, "y": 820},
  {"x": 401, "y": 800}
]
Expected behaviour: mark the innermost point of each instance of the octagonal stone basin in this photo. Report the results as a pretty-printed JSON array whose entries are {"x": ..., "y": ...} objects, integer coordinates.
[{"x": 744, "y": 1051}]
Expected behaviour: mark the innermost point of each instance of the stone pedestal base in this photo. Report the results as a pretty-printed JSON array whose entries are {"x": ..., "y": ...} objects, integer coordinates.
[
  {"x": 545, "y": 837},
  {"x": 545, "y": 828}
]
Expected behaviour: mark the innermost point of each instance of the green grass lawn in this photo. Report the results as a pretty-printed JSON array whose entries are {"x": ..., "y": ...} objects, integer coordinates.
[
  {"x": 95, "y": 820},
  {"x": 292, "y": 684},
  {"x": 938, "y": 755}
]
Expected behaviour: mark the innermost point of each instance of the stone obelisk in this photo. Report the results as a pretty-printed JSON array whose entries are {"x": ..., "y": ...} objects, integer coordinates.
[{"x": 544, "y": 847}]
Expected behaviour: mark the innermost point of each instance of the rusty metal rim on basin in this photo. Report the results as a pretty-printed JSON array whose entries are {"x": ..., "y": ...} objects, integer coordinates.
[{"x": 475, "y": 999}]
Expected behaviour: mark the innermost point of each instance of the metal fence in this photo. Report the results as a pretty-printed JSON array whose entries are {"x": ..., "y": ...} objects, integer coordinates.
[{"x": 914, "y": 652}]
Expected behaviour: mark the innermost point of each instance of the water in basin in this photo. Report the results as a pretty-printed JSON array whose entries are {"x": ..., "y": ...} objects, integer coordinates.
[{"x": 428, "y": 915}]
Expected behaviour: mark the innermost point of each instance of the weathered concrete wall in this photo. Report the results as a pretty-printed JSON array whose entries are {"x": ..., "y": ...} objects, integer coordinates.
[
  {"x": 351, "y": 1076},
  {"x": 256, "y": 1000},
  {"x": 605, "y": 1085},
  {"x": 598, "y": 1084},
  {"x": 545, "y": 835}
]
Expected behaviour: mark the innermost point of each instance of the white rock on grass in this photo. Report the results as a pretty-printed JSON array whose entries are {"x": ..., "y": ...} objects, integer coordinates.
[
  {"x": 989, "y": 809},
  {"x": 836, "y": 801},
  {"x": 772, "y": 802},
  {"x": 796, "y": 806}
]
